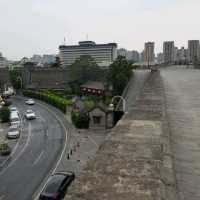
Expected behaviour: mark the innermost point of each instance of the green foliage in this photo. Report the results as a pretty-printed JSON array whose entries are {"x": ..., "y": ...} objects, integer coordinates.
[
  {"x": 16, "y": 79},
  {"x": 48, "y": 97},
  {"x": 80, "y": 119},
  {"x": 119, "y": 74},
  {"x": 4, "y": 148},
  {"x": 89, "y": 104},
  {"x": 57, "y": 62},
  {"x": 85, "y": 68},
  {"x": 5, "y": 114}
]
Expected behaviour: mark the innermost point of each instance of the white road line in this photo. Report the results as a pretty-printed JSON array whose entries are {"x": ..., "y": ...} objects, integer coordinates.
[
  {"x": 61, "y": 156},
  {"x": 22, "y": 151},
  {"x": 38, "y": 158}
]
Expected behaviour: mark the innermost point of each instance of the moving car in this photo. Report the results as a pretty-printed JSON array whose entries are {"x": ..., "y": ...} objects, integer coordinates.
[
  {"x": 57, "y": 185},
  {"x": 30, "y": 115},
  {"x": 14, "y": 118},
  {"x": 13, "y": 132},
  {"x": 13, "y": 109},
  {"x": 30, "y": 102}
]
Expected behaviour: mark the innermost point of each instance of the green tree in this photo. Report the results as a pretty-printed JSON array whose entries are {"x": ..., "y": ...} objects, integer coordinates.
[
  {"x": 119, "y": 74},
  {"x": 5, "y": 114},
  {"x": 16, "y": 79},
  {"x": 85, "y": 68},
  {"x": 57, "y": 62}
]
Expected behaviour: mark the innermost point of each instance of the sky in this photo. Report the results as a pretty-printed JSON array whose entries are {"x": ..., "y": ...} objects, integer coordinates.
[{"x": 39, "y": 26}]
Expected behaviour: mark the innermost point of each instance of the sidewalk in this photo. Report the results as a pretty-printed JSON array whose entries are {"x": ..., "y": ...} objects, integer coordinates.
[{"x": 82, "y": 146}]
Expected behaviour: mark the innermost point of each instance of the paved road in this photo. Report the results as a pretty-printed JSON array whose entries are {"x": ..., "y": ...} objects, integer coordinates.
[
  {"x": 38, "y": 150},
  {"x": 183, "y": 108}
]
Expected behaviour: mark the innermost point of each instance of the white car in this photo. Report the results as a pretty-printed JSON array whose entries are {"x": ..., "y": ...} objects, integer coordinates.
[
  {"x": 30, "y": 115},
  {"x": 14, "y": 109},
  {"x": 13, "y": 132},
  {"x": 30, "y": 102}
]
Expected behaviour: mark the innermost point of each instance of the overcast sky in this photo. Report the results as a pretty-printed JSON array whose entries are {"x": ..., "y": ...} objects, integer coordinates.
[{"x": 39, "y": 26}]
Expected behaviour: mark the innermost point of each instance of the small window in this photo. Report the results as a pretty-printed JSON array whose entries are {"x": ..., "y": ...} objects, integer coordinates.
[{"x": 96, "y": 120}]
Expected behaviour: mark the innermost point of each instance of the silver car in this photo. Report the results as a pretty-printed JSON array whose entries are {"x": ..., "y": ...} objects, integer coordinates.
[
  {"x": 30, "y": 115},
  {"x": 13, "y": 132},
  {"x": 30, "y": 102}
]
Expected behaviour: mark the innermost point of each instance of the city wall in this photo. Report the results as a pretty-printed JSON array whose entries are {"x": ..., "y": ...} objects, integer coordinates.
[{"x": 135, "y": 161}]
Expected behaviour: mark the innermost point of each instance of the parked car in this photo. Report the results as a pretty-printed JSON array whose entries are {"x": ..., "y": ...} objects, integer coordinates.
[
  {"x": 30, "y": 102},
  {"x": 13, "y": 132},
  {"x": 57, "y": 185},
  {"x": 30, "y": 115}
]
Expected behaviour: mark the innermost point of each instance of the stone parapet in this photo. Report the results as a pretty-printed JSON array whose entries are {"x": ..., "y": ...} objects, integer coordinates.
[{"x": 135, "y": 161}]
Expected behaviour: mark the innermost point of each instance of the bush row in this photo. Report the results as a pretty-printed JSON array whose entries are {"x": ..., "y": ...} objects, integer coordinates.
[{"x": 52, "y": 99}]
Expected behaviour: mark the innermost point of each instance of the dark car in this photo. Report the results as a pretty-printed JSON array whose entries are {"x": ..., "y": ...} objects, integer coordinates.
[{"x": 57, "y": 185}]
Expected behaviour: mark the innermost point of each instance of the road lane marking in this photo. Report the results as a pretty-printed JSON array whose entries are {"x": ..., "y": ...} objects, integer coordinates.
[
  {"x": 38, "y": 158},
  {"x": 37, "y": 194},
  {"x": 22, "y": 151}
]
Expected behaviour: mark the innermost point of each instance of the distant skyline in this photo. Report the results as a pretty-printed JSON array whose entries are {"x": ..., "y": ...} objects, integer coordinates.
[{"x": 38, "y": 27}]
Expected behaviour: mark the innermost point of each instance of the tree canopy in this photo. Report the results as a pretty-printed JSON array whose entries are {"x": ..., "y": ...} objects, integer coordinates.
[
  {"x": 119, "y": 74},
  {"x": 85, "y": 68}
]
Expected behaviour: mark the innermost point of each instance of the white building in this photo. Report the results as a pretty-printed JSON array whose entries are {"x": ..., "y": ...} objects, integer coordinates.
[
  {"x": 149, "y": 55},
  {"x": 103, "y": 54},
  {"x": 169, "y": 53},
  {"x": 193, "y": 50},
  {"x": 45, "y": 59}
]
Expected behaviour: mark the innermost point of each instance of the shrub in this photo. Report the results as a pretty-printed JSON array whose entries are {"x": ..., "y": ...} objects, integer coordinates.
[
  {"x": 80, "y": 120},
  {"x": 5, "y": 114},
  {"x": 4, "y": 149},
  {"x": 51, "y": 98}
]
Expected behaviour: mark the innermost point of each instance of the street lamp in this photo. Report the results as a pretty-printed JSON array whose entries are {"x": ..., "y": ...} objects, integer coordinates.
[{"x": 111, "y": 106}]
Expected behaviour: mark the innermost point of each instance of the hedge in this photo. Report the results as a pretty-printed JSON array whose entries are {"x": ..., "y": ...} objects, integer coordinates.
[
  {"x": 80, "y": 120},
  {"x": 5, "y": 114},
  {"x": 52, "y": 99}
]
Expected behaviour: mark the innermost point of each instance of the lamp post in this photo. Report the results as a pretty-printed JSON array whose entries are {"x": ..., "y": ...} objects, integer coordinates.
[{"x": 111, "y": 106}]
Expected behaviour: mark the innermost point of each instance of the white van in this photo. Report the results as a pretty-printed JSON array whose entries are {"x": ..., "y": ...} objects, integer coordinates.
[{"x": 14, "y": 118}]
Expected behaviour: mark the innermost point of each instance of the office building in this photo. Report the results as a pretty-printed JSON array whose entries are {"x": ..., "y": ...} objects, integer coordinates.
[
  {"x": 103, "y": 54},
  {"x": 193, "y": 51},
  {"x": 169, "y": 53},
  {"x": 130, "y": 55},
  {"x": 160, "y": 58},
  {"x": 149, "y": 55}
]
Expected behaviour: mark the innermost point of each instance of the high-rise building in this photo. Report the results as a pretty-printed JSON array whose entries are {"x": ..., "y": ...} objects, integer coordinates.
[
  {"x": 160, "y": 58},
  {"x": 130, "y": 55},
  {"x": 181, "y": 56},
  {"x": 103, "y": 54},
  {"x": 136, "y": 56},
  {"x": 121, "y": 52},
  {"x": 193, "y": 50},
  {"x": 149, "y": 55},
  {"x": 168, "y": 52}
]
